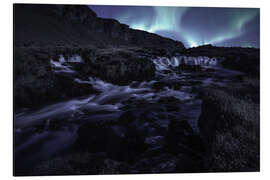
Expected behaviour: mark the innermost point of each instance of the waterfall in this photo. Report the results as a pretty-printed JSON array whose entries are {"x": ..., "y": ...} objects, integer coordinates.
[
  {"x": 164, "y": 63},
  {"x": 61, "y": 65}
]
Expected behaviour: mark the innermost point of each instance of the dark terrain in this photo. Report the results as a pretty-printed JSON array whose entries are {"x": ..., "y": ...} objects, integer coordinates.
[{"x": 92, "y": 96}]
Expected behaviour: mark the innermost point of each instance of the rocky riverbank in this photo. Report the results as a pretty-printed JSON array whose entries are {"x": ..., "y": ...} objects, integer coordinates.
[{"x": 37, "y": 82}]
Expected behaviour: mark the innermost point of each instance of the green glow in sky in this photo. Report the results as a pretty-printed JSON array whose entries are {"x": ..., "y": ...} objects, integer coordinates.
[{"x": 169, "y": 19}]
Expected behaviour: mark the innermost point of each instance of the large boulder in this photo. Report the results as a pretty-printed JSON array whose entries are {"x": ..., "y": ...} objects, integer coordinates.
[
  {"x": 181, "y": 138},
  {"x": 122, "y": 144}
]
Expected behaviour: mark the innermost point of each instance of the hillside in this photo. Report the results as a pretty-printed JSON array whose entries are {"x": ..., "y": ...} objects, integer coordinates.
[{"x": 41, "y": 25}]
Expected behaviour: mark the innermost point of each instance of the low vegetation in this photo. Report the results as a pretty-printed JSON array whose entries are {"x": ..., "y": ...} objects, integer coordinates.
[{"x": 229, "y": 124}]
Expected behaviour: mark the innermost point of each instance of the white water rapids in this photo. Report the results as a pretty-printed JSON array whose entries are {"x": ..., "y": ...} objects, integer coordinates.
[
  {"x": 112, "y": 100},
  {"x": 111, "y": 96}
]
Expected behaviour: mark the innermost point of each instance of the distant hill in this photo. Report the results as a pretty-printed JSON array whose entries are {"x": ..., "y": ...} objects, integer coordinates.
[
  {"x": 41, "y": 25},
  {"x": 244, "y": 59}
]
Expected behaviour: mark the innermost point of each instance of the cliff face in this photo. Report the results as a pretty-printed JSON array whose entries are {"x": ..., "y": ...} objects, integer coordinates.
[{"x": 47, "y": 24}]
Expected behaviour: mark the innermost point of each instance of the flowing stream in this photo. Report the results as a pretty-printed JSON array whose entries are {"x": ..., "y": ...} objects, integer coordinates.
[{"x": 34, "y": 141}]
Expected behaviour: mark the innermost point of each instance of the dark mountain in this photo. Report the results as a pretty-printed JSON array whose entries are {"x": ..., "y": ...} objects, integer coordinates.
[{"x": 78, "y": 24}]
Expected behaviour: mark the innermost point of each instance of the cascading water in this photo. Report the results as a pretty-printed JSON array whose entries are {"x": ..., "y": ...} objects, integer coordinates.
[
  {"x": 60, "y": 66},
  {"x": 164, "y": 63},
  {"x": 112, "y": 101}
]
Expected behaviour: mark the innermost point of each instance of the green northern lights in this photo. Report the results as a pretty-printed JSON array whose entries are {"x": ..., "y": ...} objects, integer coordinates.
[{"x": 193, "y": 26}]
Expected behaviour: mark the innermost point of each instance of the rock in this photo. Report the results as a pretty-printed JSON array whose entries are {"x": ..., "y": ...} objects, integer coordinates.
[
  {"x": 168, "y": 100},
  {"x": 127, "y": 118},
  {"x": 210, "y": 70},
  {"x": 172, "y": 103},
  {"x": 158, "y": 86},
  {"x": 162, "y": 163},
  {"x": 191, "y": 68},
  {"x": 57, "y": 124},
  {"x": 95, "y": 137},
  {"x": 176, "y": 85},
  {"x": 177, "y": 132},
  {"x": 154, "y": 141},
  {"x": 80, "y": 164},
  {"x": 189, "y": 164},
  {"x": 172, "y": 107},
  {"x": 115, "y": 167},
  {"x": 166, "y": 71},
  {"x": 147, "y": 117},
  {"x": 71, "y": 88}
]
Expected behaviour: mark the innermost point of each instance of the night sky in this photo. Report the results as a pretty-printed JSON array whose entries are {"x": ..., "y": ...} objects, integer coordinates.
[{"x": 193, "y": 26}]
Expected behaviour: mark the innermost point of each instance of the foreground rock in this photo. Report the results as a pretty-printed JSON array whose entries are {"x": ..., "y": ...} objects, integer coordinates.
[
  {"x": 110, "y": 148},
  {"x": 122, "y": 145},
  {"x": 80, "y": 164}
]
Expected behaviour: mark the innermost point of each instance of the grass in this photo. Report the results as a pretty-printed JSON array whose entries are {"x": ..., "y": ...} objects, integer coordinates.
[{"x": 234, "y": 143}]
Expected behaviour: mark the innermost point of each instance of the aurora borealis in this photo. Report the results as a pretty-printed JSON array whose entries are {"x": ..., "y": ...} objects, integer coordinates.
[{"x": 193, "y": 26}]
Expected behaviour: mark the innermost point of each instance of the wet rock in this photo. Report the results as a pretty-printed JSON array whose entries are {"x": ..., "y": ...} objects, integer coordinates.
[
  {"x": 163, "y": 163},
  {"x": 158, "y": 85},
  {"x": 168, "y": 100},
  {"x": 57, "y": 124},
  {"x": 71, "y": 88},
  {"x": 190, "y": 68},
  {"x": 95, "y": 137},
  {"x": 166, "y": 71},
  {"x": 172, "y": 107},
  {"x": 80, "y": 164},
  {"x": 177, "y": 132},
  {"x": 147, "y": 117},
  {"x": 133, "y": 147},
  {"x": 127, "y": 118},
  {"x": 189, "y": 164},
  {"x": 154, "y": 141},
  {"x": 176, "y": 85},
  {"x": 210, "y": 70},
  {"x": 115, "y": 167},
  {"x": 172, "y": 103}
]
